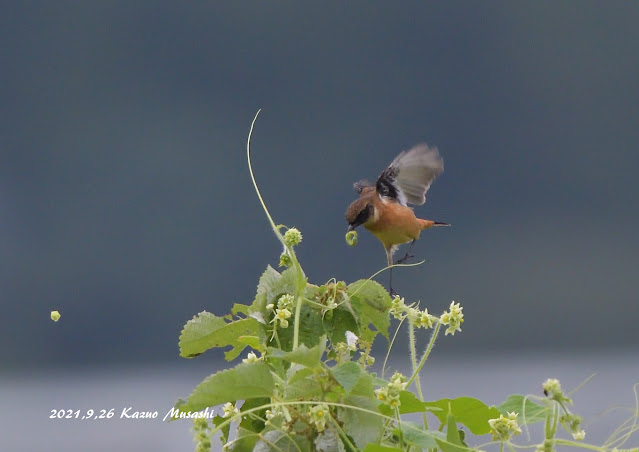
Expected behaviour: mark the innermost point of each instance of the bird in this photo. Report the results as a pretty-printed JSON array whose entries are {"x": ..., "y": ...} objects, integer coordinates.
[{"x": 382, "y": 208}]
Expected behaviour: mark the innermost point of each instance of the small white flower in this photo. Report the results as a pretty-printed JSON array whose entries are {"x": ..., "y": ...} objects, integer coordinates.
[
  {"x": 229, "y": 410},
  {"x": 397, "y": 308},
  {"x": 351, "y": 340},
  {"x": 453, "y": 318},
  {"x": 251, "y": 358},
  {"x": 281, "y": 316},
  {"x": 319, "y": 414},
  {"x": 579, "y": 435}
]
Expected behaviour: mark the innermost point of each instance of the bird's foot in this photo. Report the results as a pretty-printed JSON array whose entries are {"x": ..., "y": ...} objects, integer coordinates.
[
  {"x": 392, "y": 292},
  {"x": 404, "y": 259}
]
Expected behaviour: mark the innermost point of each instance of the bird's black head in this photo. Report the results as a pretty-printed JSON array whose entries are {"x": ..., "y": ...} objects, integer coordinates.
[{"x": 358, "y": 213}]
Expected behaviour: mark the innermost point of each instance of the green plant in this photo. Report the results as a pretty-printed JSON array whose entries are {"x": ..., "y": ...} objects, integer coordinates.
[{"x": 306, "y": 384}]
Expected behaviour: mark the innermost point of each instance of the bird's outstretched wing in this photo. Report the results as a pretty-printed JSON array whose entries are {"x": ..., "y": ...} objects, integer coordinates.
[{"x": 408, "y": 177}]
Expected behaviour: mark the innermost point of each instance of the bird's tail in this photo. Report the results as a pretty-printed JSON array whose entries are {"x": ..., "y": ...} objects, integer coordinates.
[{"x": 425, "y": 224}]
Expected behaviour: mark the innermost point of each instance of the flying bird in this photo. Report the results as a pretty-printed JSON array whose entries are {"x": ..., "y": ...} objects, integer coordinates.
[{"x": 383, "y": 208}]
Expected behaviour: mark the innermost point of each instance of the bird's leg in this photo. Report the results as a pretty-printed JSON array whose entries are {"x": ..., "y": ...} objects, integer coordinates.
[
  {"x": 389, "y": 260},
  {"x": 408, "y": 255}
]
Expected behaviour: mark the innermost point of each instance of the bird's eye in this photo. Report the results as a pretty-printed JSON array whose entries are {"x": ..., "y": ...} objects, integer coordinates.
[{"x": 384, "y": 190}]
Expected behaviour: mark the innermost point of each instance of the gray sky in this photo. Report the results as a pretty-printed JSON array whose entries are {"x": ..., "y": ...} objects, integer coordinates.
[{"x": 125, "y": 200}]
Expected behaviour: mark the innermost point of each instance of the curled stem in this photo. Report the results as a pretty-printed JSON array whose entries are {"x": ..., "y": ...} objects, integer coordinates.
[{"x": 301, "y": 279}]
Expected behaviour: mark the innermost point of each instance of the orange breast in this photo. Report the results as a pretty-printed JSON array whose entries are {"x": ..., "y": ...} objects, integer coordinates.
[{"x": 395, "y": 224}]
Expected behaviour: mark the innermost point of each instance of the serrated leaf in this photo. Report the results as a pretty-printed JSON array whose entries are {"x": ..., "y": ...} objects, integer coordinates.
[
  {"x": 243, "y": 382},
  {"x": 207, "y": 331},
  {"x": 272, "y": 285},
  {"x": 309, "y": 357},
  {"x": 470, "y": 412},
  {"x": 528, "y": 411},
  {"x": 267, "y": 282},
  {"x": 371, "y": 302},
  {"x": 347, "y": 375}
]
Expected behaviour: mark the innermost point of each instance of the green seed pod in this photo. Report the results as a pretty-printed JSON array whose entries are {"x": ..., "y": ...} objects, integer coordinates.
[{"x": 351, "y": 238}]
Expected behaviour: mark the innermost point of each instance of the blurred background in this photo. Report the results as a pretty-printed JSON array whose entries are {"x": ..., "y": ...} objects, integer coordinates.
[{"x": 126, "y": 203}]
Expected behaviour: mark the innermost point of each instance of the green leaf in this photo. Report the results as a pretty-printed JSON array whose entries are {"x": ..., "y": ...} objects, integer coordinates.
[
  {"x": 371, "y": 302},
  {"x": 379, "y": 381},
  {"x": 470, "y": 412},
  {"x": 240, "y": 309},
  {"x": 299, "y": 373},
  {"x": 309, "y": 357},
  {"x": 408, "y": 403},
  {"x": 252, "y": 341},
  {"x": 311, "y": 329},
  {"x": 206, "y": 331},
  {"x": 363, "y": 427},
  {"x": 284, "y": 442},
  {"x": 347, "y": 375},
  {"x": 338, "y": 322},
  {"x": 254, "y": 422},
  {"x": 245, "y": 440},
  {"x": 528, "y": 411},
  {"x": 243, "y": 382},
  {"x": 453, "y": 442},
  {"x": 224, "y": 432},
  {"x": 268, "y": 281},
  {"x": 378, "y": 448},
  {"x": 414, "y": 435},
  {"x": 306, "y": 388},
  {"x": 364, "y": 387},
  {"x": 329, "y": 441},
  {"x": 272, "y": 285}
]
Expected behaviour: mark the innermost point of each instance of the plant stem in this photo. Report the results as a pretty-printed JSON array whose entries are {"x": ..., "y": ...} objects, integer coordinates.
[
  {"x": 301, "y": 279},
  {"x": 342, "y": 434},
  {"x": 429, "y": 348},
  {"x": 257, "y": 190},
  {"x": 413, "y": 360},
  {"x": 565, "y": 442}
]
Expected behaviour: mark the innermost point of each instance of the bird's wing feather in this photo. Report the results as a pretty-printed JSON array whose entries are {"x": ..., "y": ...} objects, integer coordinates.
[
  {"x": 360, "y": 185},
  {"x": 408, "y": 177}
]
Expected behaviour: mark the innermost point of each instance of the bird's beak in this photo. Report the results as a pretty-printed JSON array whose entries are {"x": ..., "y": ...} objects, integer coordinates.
[{"x": 351, "y": 228}]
